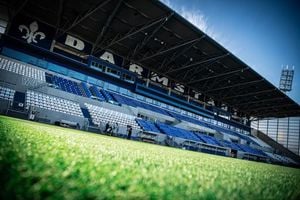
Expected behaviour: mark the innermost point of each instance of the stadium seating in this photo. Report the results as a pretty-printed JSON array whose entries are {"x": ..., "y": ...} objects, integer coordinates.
[
  {"x": 280, "y": 158},
  {"x": 208, "y": 139},
  {"x": 6, "y": 93},
  {"x": 147, "y": 125},
  {"x": 64, "y": 84},
  {"x": 125, "y": 100},
  {"x": 102, "y": 115},
  {"x": 250, "y": 150},
  {"x": 53, "y": 103},
  {"x": 108, "y": 97},
  {"x": 177, "y": 132},
  {"x": 198, "y": 137},
  {"x": 98, "y": 115},
  {"x": 187, "y": 118},
  {"x": 137, "y": 103},
  {"x": 84, "y": 87},
  {"x": 96, "y": 93},
  {"x": 22, "y": 69},
  {"x": 231, "y": 145}
]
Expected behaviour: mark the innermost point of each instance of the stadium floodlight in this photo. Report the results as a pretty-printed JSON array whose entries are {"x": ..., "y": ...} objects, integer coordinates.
[{"x": 286, "y": 79}]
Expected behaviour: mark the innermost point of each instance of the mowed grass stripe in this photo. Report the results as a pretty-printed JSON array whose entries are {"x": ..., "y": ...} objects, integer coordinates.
[{"x": 39, "y": 161}]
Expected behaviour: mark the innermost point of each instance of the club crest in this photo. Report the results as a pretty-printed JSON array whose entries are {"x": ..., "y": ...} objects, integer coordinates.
[{"x": 31, "y": 32}]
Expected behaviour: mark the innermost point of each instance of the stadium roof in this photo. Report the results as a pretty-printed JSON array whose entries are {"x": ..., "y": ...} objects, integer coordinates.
[{"x": 148, "y": 33}]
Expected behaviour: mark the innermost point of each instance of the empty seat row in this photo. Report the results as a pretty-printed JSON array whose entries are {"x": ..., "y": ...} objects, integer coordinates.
[
  {"x": 107, "y": 95},
  {"x": 177, "y": 132},
  {"x": 53, "y": 103},
  {"x": 7, "y": 93},
  {"x": 147, "y": 125},
  {"x": 136, "y": 103},
  {"x": 96, "y": 93},
  {"x": 251, "y": 150},
  {"x": 103, "y": 115},
  {"x": 22, "y": 69},
  {"x": 160, "y": 127},
  {"x": 86, "y": 90},
  {"x": 64, "y": 84},
  {"x": 231, "y": 132},
  {"x": 187, "y": 118},
  {"x": 280, "y": 158},
  {"x": 208, "y": 139}
]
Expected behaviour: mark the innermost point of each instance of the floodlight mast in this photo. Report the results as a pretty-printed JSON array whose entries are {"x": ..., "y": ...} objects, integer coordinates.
[{"x": 286, "y": 79}]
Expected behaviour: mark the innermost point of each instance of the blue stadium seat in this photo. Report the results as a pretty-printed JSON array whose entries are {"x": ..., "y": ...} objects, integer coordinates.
[
  {"x": 147, "y": 125},
  {"x": 177, "y": 132},
  {"x": 125, "y": 100},
  {"x": 64, "y": 84},
  {"x": 135, "y": 103},
  {"x": 208, "y": 139},
  {"x": 96, "y": 93},
  {"x": 107, "y": 95},
  {"x": 84, "y": 87}
]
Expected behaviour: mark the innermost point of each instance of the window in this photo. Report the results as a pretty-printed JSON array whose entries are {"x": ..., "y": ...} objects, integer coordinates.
[
  {"x": 128, "y": 78},
  {"x": 98, "y": 66},
  {"x": 113, "y": 72}
]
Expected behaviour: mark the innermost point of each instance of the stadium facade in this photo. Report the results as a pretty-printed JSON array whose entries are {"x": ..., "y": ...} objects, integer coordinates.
[
  {"x": 283, "y": 130},
  {"x": 137, "y": 64}
]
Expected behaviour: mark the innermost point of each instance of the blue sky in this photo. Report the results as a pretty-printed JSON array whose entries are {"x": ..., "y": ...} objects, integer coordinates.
[{"x": 265, "y": 34}]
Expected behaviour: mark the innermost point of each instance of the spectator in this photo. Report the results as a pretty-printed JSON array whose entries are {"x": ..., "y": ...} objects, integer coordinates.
[
  {"x": 129, "y": 132},
  {"x": 107, "y": 128},
  {"x": 115, "y": 129}
]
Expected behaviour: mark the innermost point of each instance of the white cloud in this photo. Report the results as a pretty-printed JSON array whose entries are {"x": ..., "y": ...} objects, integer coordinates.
[
  {"x": 192, "y": 15},
  {"x": 197, "y": 18}
]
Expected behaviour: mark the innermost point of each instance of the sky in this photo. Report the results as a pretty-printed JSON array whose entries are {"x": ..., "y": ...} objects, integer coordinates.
[{"x": 265, "y": 34}]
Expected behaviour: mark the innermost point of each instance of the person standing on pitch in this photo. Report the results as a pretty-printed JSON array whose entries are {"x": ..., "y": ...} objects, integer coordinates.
[{"x": 129, "y": 132}]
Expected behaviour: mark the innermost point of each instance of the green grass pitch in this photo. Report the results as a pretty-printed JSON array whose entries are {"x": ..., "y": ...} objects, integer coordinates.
[{"x": 39, "y": 161}]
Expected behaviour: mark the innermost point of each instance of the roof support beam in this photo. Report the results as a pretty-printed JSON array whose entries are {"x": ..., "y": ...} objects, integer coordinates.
[
  {"x": 275, "y": 113},
  {"x": 107, "y": 24},
  {"x": 235, "y": 85},
  {"x": 196, "y": 71},
  {"x": 198, "y": 63},
  {"x": 59, "y": 15},
  {"x": 147, "y": 39},
  {"x": 19, "y": 9},
  {"x": 217, "y": 76},
  {"x": 132, "y": 32},
  {"x": 262, "y": 107},
  {"x": 161, "y": 52},
  {"x": 249, "y": 94},
  {"x": 258, "y": 101},
  {"x": 178, "y": 54},
  {"x": 85, "y": 15}
]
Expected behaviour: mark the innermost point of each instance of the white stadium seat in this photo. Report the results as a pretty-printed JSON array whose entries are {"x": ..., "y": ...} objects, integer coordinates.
[
  {"x": 53, "y": 103},
  {"x": 22, "y": 69},
  {"x": 103, "y": 115},
  {"x": 6, "y": 93}
]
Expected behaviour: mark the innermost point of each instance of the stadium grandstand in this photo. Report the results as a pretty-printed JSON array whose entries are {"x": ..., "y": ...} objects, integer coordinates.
[{"x": 142, "y": 66}]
